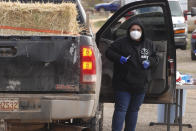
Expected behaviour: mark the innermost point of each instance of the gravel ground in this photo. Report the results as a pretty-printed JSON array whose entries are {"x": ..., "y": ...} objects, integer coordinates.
[
  {"x": 184, "y": 62},
  {"x": 148, "y": 113}
]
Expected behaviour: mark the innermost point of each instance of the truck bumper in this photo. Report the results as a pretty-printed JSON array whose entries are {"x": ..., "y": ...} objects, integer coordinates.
[
  {"x": 42, "y": 107},
  {"x": 61, "y": 109},
  {"x": 180, "y": 40}
]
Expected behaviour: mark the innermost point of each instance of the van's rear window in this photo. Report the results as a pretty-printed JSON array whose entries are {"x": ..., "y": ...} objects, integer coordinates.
[{"x": 175, "y": 8}]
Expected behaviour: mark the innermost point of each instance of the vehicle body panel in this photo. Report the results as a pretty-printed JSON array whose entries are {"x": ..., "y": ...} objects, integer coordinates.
[
  {"x": 192, "y": 19},
  {"x": 40, "y": 65}
]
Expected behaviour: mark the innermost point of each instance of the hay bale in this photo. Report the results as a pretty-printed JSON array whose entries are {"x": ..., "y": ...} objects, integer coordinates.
[{"x": 61, "y": 18}]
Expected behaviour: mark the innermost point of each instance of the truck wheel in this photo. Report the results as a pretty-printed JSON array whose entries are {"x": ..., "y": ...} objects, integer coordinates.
[
  {"x": 96, "y": 123},
  {"x": 183, "y": 47},
  {"x": 193, "y": 57}
]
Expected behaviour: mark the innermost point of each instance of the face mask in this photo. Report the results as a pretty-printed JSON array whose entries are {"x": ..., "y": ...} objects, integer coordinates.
[{"x": 135, "y": 35}]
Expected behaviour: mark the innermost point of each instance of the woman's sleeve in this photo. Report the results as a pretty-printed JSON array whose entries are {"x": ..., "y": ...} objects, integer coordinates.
[{"x": 113, "y": 52}]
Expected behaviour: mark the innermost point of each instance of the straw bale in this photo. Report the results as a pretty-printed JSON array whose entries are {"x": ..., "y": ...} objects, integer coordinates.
[{"x": 43, "y": 16}]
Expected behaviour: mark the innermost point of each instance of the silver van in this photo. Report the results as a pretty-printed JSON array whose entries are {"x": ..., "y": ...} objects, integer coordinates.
[{"x": 179, "y": 24}]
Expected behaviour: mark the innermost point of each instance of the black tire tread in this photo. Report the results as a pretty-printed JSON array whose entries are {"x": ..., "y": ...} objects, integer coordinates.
[
  {"x": 95, "y": 123},
  {"x": 193, "y": 57}
]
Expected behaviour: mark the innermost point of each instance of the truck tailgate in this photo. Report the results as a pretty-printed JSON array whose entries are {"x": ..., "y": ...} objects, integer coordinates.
[{"x": 39, "y": 64}]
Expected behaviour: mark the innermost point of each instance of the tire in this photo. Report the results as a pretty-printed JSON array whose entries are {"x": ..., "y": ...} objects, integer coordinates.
[
  {"x": 95, "y": 123},
  {"x": 193, "y": 57},
  {"x": 112, "y": 11},
  {"x": 183, "y": 47}
]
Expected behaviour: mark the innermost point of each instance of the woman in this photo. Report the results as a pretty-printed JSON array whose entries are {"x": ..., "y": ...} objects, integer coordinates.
[{"x": 134, "y": 56}]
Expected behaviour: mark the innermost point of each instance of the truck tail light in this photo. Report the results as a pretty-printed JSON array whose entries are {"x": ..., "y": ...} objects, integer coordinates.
[
  {"x": 87, "y": 64},
  {"x": 194, "y": 35},
  {"x": 179, "y": 31}
]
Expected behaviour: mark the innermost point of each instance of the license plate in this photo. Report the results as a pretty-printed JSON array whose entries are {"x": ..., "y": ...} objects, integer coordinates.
[{"x": 9, "y": 104}]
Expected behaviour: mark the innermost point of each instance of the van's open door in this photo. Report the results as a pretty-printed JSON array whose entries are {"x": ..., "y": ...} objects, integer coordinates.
[{"x": 156, "y": 18}]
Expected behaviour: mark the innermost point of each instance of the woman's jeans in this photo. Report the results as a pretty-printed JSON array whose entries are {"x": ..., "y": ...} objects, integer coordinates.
[{"x": 126, "y": 109}]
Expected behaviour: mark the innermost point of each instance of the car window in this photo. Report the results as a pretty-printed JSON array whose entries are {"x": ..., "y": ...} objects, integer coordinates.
[
  {"x": 175, "y": 8},
  {"x": 152, "y": 20},
  {"x": 149, "y": 9}
]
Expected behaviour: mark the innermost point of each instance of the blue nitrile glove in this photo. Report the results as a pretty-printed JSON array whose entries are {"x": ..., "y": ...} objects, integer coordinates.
[
  {"x": 123, "y": 60},
  {"x": 146, "y": 64},
  {"x": 195, "y": 51}
]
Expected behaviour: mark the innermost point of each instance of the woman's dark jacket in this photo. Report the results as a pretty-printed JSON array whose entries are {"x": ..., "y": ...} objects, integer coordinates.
[{"x": 131, "y": 76}]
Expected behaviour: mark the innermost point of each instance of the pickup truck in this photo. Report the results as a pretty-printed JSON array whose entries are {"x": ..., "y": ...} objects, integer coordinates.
[
  {"x": 47, "y": 81},
  {"x": 55, "y": 82}
]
